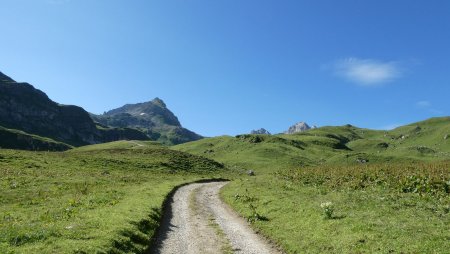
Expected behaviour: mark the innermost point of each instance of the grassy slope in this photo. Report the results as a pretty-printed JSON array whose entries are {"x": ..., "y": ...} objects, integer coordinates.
[
  {"x": 16, "y": 139},
  {"x": 423, "y": 141},
  {"x": 370, "y": 219},
  {"x": 376, "y": 218},
  {"x": 121, "y": 144},
  {"x": 93, "y": 199}
]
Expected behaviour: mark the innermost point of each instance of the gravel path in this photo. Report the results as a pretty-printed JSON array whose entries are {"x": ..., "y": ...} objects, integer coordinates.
[{"x": 197, "y": 222}]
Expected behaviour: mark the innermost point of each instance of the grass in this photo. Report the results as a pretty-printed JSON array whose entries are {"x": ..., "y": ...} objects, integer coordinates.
[
  {"x": 389, "y": 189},
  {"x": 422, "y": 141},
  {"x": 122, "y": 144},
  {"x": 377, "y": 209},
  {"x": 90, "y": 199}
]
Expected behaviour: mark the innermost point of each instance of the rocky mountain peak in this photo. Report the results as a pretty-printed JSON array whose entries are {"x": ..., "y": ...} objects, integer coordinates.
[
  {"x": 143, "y": 115},
  {"x": 153, "y": 117},
  {"x": 159, "y": 102},
  {"x": 260, "y": 131},
  {"x": 298, "y": 127}
]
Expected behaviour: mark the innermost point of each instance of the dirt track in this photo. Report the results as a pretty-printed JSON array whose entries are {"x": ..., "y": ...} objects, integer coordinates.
[{"x": 197, "y": 221}]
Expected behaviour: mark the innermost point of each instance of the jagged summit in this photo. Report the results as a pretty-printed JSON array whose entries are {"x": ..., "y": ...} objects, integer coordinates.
[
  {"x": 147, "y": 114},
  {"x": 298, "y": 127},
  {"x": 158, "y": 101}
]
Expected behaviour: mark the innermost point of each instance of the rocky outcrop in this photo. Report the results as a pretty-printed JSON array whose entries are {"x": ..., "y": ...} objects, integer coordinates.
[
  {"x": 298, "y": 127},
  {"x": 25, "y": 108},
  {"x": 152, "y": 117},
  {"x": 260, "y": 131}
]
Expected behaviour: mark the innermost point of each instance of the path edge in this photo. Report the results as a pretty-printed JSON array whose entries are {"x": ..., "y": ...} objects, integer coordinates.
[{"x": 274, "y": 244}]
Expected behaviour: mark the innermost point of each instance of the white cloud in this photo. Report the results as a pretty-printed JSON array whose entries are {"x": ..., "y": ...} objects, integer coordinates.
[
  {"x": 436, "y": 111},
  {"x": 423, "y": 104},
  {"x": 367, "y": 72}
]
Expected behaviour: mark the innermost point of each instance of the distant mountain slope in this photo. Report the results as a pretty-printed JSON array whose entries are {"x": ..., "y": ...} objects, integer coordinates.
[
  {"x": 153, "y": 118},
  {"x": 25, "y": 108},
  {"x": 14, "y": 139},
  {"x": 260, "y": 131}
]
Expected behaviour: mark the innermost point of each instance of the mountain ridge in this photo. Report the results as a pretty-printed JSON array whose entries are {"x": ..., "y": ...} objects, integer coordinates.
[{"x": 27, "y": 109}]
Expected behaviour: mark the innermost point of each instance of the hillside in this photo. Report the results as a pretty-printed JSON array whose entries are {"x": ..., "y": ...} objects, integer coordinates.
[
  {"x": 342, "y": 189},
  {"x": 14, "y": 139},
  {"x": 104, "y": 198},
  {"x": 421, "y": 141},
  {"x": 25, "y": 108},
  {"x": 153, "y": 118}
]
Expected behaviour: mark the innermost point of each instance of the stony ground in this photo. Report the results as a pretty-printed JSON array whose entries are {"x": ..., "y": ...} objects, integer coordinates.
[{"x": 199, "y": 222}]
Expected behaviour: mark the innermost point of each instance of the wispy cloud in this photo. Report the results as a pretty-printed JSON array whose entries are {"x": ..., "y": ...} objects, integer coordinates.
[
  {"x": 428, "y": 106},
  {"x": 423, "y": 104},
  {"x": 436, "y": 111},
  {"x": 367, "y": 72}
]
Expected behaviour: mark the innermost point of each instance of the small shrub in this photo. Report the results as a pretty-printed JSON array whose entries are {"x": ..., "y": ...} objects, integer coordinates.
[{"x": 328, "y": 209}]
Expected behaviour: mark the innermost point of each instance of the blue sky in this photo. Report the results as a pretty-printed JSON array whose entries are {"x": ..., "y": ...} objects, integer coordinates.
[{"x": 226, "y": 67}]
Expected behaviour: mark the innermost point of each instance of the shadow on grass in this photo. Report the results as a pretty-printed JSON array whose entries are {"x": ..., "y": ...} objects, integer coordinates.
[
  {"x": 146, "y": 235},
  {"x": 139, "y": 238},
  {"x": 338, "y": 217}
]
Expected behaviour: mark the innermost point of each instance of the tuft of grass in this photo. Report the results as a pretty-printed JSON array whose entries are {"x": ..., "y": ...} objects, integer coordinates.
[{"x": 226, "y": 247}]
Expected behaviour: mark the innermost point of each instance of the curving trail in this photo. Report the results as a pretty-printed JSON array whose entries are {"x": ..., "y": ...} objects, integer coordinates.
[{"x": 198, "y": 221}]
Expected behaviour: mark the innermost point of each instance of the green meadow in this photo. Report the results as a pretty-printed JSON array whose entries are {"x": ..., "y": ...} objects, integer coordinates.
[
  {"x": 342, "y": 189},
  {"x": 328, "y": 190},
  {"x": 380, "y": 208},
  {"x": 97, "y": 199}
]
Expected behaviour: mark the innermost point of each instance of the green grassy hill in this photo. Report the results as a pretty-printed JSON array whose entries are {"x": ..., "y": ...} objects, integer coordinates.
[
  {"x": 389, "y": 191},
  {"x": 342, "y": 189},
  {"x": 422, "y": 141},
  {"x": 97, "y": 199},
  {"x": 117, "y": 145}
]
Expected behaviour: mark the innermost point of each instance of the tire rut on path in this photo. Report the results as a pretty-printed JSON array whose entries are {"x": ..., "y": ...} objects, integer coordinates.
[{"x": 197, "y": 221}]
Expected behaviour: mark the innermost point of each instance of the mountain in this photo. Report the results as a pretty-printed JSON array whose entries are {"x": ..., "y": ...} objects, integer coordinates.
[
  {"x": 152, "y": 117},
  {"x": 260, "y": 131},
  {"x": 27, "y": 109},
  {"x": 298, "y": 127}
]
